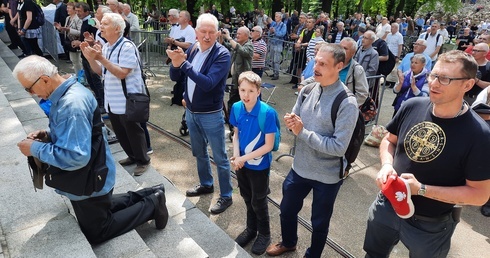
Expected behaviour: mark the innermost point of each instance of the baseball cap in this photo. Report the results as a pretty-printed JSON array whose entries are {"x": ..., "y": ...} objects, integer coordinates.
[
  {"x": 480, "y": 105},
  {"x": 397, "y": 191}
]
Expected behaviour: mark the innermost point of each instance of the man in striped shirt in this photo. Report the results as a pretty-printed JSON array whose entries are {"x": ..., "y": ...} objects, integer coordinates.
[{"x": 260, "y": 51}]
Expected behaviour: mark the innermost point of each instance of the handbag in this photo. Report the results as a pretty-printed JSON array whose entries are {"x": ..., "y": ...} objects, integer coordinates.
[
  {"x": 377, "y": 134},
  {"x": 137, "y": 104},
  {"x": 38, "y": 170},
  {"x": 368, "y": 109}
]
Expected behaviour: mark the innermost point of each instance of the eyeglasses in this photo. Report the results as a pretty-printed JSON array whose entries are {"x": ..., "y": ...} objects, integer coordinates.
[
  {"x": 32, "y": 85},
  {"x": 418, "y": 44},
  {"x": 443, "y": 80},
  {"x": 478, "y": 50}
]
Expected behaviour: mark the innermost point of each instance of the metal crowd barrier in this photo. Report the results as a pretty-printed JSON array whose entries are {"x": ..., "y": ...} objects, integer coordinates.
[
  {"x": 287, "y": 65},
  {"x": 50, "y": 40},
  {"x": 152, "y": 47}
]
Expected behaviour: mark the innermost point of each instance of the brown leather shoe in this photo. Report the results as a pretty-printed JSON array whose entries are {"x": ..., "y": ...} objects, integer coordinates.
[{"x": 278, "y": 249}]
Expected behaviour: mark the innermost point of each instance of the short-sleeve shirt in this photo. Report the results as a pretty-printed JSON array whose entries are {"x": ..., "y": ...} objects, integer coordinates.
[
  {"x": 440, "y": 152},
  {"x": 126, "y": 56},
  {"x": 259, "y": 48},
  {"x": 23, "y": 8},
  {"x": 189, "y": 34},
  {"x": 249, "y": 134},
  {"x": 393, "y": 41}
]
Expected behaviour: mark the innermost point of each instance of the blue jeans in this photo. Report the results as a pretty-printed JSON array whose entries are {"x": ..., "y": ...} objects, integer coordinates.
[
  {"x": 276, "y": 54},
  {"x": 294, "y": 190},
  {"x": 209, "y": 129}
]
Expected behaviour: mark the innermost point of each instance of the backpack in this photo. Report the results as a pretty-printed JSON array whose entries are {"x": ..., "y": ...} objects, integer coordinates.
[
  {"x": 39, "y": 16},
  {"x": 368, "y": 108},
  {"x": 261, "y": 120},
  {"x": 357, "y": 136},
  {"x": 386, "y": 67},
  {"x": 437, "y": 40}
]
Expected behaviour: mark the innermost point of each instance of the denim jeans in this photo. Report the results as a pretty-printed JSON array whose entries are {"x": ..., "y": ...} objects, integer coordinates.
[
  {"x": 209, "y": 129},
  {"x": 276, "y": 54},
  {"x": 294, "y": 191}
]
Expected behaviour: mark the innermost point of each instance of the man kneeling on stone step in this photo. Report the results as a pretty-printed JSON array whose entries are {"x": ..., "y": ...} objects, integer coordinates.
[{"x": 75, "y": 118}]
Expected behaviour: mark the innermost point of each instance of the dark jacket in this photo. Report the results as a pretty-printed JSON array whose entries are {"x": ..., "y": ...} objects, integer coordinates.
[
  {"x": 334, "y": 36},
  {"x": 210, "y": 80}
]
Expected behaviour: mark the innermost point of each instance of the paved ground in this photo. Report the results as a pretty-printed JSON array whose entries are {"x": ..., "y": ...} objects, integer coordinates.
[{"x": 348, "y": 223}]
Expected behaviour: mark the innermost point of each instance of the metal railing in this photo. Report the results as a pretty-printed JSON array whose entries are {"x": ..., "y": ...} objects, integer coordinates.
[{"x": 50, "y": 40}]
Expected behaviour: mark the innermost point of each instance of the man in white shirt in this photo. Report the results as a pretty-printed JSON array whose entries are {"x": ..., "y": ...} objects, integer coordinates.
[
  {"x": 394, "y": 41},
  {"x": 185, "y": 35},
  {"x": 434, "y": 42},
  {"x": 383, "y": 29},
  {"x": 131, "y": 18}
]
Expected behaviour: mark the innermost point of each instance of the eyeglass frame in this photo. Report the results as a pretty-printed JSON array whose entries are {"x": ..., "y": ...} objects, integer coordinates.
[
  {"x": 29, "y": 90},
  {"x": 436, "y": 76},
  {"x": 478, "y": 50}
]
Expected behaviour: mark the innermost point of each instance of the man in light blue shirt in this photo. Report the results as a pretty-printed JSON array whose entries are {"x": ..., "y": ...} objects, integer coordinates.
[
  {"x": 65, "y": 148},
  {"x": 277, "y": 32}
]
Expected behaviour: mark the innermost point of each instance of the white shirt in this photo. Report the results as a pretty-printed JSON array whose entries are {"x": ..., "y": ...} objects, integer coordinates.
[
  {"x": 189, "y": 34},
  {"x": 197, "y": 63},
  {"x": 381, "y": 30},
  {"x": 393, "y": 41},
  {"x": 431, "y": 44}
]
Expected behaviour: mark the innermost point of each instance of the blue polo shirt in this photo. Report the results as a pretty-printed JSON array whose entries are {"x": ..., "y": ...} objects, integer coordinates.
[{"x": 249, "y": 134}]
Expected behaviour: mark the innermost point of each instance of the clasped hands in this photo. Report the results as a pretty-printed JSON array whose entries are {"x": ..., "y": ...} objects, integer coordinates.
[
  {"x": 177, "y": 56},
  {"x": 25, "y": 145},
  {"x": 293, "y": 123}
]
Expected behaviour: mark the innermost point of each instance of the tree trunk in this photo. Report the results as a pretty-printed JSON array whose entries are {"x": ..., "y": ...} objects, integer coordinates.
[
  {"x": 389, "y": 7},
  {"x": 359, "y": 7},
  {"x": 327, "y": 6},
  {"x": 297, "y": 5},
  {"x": 191, "y": 10},
  {"x": 400, "y": 7},
  {"x": 276, "y": 7}
]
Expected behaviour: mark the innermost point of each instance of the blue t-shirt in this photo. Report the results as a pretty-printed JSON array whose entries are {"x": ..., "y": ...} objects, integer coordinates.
[{"x": 249, "y": 134}]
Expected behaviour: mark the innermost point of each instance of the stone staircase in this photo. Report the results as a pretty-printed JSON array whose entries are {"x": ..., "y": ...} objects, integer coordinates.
[{"x": 42, "y": 223}]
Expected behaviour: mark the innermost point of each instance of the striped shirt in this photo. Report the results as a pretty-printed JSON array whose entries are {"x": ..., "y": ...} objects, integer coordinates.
[
  {"x": 126, "y": 56},
  {"x": 310, "y": 51},
  {"x": 259, "y": 48}
]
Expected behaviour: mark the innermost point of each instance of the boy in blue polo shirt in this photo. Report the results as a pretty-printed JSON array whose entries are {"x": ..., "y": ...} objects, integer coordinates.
[{"x": 252, "y": 159}]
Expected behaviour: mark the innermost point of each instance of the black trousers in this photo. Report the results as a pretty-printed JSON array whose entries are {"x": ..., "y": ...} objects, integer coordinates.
[
  {"x": 254, "y": 188},
  {"x": 13, "y": 35},
  {"x": 108, "y": 216},
  {"x": 131, "y": 136}
]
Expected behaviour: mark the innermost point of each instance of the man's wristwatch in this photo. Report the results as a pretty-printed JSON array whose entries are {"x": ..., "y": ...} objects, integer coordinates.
[{"x": 422, "y": 190}]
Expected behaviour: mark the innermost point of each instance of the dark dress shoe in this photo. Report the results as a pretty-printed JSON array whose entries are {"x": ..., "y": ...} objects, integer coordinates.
[
  {"x": 127, "y": 161},
  {"x": 485, "y": 209},
  {"x": 199, "y": 189},
  {"x": 22, "y": 56},
  {"x": 261, "y": 244},
  {"x": 12, "y": 46},
  {"x": 275, "y": 78},
  {"x": 161, "y": 211},
  {"x": 245, "y": 237}
]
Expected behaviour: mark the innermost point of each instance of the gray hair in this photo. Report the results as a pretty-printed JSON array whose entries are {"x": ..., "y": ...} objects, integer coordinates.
[
  {"x": 370, "y": 34},
  {"x": 186, "y": 14},
  {"x": 395, "y": 25},
  {"x": 340, "y": 24},
  {"x": 117, "y": 21},
  {"x": 258, "y": 28},
  {"x": 32, "y": 67},
  {"x": 104, "y": 9},
  {"x": 173, "y": 12},
  {"x": 207, "y": 17},
  {"x": 419, "y": 57},
  {"x": 352, "y": 42},
  {"x": 337, "y": 51},
  {"x": 422, "y": 41}
]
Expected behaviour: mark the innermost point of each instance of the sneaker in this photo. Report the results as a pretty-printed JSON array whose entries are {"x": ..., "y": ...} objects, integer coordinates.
[
  {"x": 295, "y": 86},
  {"x": 140, "y": 169},
  {"x": 199, "y": 190},
  {"x": 150, "y": 151},
  {"x": 485, "y": 209},
  {"x": 161, "y": 211},
  {"x": 261, "y": 244},
  {"x": 221, "y": 205},
  {"x": 111, "y": 137},
  {"x": 296, "y": 93},
  {"x": 127, "y": 161},
  {"x": 278, "y": 249},
  {"x": 245, "y": 237},
  {"x": 275, "y": 78},
  {"x": 397, "y": 191}
]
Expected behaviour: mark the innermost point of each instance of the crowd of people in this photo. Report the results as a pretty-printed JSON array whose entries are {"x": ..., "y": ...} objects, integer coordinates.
[{"x": 434, "y": 92}]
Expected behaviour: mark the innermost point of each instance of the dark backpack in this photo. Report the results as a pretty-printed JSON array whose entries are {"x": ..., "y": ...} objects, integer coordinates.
[
  {"x": 39, "y": 16},
  {"x": 387, "y": 66},
  {"x": 357, "y": 136}
]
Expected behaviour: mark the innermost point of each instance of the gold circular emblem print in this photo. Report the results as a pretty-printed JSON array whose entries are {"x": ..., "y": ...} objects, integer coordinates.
[{"x": 424, "y": 142}]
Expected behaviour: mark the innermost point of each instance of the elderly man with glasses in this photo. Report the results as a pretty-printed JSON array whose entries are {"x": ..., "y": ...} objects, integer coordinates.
[
  {"x": 418, "y": 48},
  {"x": 435, "y": 145},
  {"x": 67, "y": 149}
]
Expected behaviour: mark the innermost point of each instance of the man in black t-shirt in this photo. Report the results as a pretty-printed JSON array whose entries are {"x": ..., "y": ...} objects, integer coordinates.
[
  {"x": 465, "y": 40},
  {"x": 436, "y": 145},
  {"x": 482, "y": 80}
]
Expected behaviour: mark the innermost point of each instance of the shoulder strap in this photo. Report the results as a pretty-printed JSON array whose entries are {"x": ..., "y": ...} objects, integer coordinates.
[
  {"x": 262, "y": 114},
  {"x": 426, "y": 35},
  {"x": 336, "y": 105},
  {"x": 307, "y": 90}
]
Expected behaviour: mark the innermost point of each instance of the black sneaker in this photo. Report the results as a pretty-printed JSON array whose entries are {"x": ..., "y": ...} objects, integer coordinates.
[
  {"x": 221, "y": 205},
  {"x": 199, "y": 189},
  {"x": 245, "y": 237},
  {"x": 261, "y": 244}
]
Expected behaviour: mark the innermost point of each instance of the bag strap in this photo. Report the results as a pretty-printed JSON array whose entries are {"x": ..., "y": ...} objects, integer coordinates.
[
  {"x": 123, "y": 81},
  {"x": 262, "y": 114},
  {"x": 335, "y": 108}
]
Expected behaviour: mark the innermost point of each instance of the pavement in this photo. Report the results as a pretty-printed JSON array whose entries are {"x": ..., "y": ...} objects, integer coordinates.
[{"x": 31, "y": 222}]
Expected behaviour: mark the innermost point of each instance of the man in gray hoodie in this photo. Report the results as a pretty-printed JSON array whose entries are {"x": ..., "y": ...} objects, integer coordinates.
[{"x": 319, "y": 145}]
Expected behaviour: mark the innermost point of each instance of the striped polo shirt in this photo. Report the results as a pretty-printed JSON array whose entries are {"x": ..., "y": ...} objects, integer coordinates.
[
  {"x": 126, "y": 56},
  {"x": 260, "y": 48}
]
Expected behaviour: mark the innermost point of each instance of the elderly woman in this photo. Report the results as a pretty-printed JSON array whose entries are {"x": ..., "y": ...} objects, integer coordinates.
[
  {"x": 318, "y": 37},
  {"x": 116, "y": 61},
  {"x": 414, "y": 84}
]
